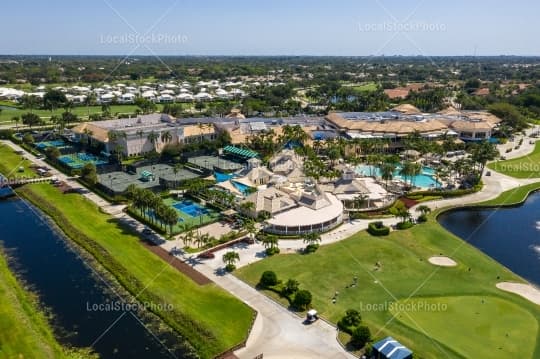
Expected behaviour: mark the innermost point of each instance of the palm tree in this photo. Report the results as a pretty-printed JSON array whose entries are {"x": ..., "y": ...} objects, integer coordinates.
[
  {"x": 16, "y": 119},
  {"x": 171, "y": 218},
  {"x": 230, "y": 258},
  {"x": 387, "y": 172},
  {"x": 90, "y": 100},
  {"x": 153, "y": 137},
  {"x": 404, "y": 214},
  {"x": 166, "y": 137},
  {"x": 407, "y": 170},
  {"x": 247, "y": 207},
  {"x": 312, "y": 238},
  {"x": 270, "y": 241},
  {"x": 249, "y": 226},
  {"x": 140, "y": 134},
  {"x": 189, "y": 236},
  {"x": 176, "y": 168},
  {"x": 423, "y": 209}
]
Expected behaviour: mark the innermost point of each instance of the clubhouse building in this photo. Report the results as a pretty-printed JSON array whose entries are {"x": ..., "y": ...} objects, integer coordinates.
[
  {"x": 405, "y": 120},
  {"x": 146, "y": 133}
]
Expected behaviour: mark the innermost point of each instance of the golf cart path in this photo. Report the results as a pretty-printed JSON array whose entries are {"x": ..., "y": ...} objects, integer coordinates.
[{"x": 277, "y": 331}]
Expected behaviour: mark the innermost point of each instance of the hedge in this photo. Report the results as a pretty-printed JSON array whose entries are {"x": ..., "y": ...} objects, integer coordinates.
[{"x": 378, "y": 229}]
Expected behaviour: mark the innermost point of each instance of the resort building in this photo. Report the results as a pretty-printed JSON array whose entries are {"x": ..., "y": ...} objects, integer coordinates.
[
  {"x": 270, "y": 200},
  {"x": 139, "y": 135},
  {"x": 317, "y": 211},
  {"x": 257, "y": 174},
  {"x": 404, "y": 120}
]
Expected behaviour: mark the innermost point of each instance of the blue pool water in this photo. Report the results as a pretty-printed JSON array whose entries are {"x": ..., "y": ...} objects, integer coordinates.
[
  {"x": 425, "y": 179},
  {"x": 241, "y": 187},
  {"x": 222, "y": 177},
  {"x": 191, "y": 208}
]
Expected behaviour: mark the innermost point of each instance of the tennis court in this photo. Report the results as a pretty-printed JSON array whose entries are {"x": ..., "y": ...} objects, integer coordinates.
[
  {"x": 190, "y": 214},
  {"x": 119, "y": 181},
  {"x": 191, "y": 208},
  {"x": 78, "y": 160},
  {"x": 214, "y": 162}
]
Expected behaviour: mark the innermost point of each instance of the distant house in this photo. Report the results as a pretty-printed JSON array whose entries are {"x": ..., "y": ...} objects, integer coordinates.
[{"x": 389, "y": 348}]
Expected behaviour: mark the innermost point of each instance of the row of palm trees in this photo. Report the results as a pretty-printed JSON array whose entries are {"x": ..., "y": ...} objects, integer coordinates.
[{"x": 152, "y": 207}]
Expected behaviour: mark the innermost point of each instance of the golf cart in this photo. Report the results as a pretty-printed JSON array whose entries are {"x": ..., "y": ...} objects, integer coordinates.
[{"x": 311, "y": 316}]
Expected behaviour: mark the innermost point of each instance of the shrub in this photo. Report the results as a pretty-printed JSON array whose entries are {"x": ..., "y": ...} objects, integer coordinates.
[
  {"x": 422, "y": 218},
  {"x": 378, "y": 229},
  {"x": 271, "y": 251},
  {"x": 268, "y": 279},
  {"x": 290, "y": 287},
  {"x": 404, "y": 225},
  {"x": 350, "y": 321},
  {"x": 230, "y": 267},
  {"x": 360, "y": 336},
  {"x": 302, "y": 299},
  {"x": 311, "y": 248}
]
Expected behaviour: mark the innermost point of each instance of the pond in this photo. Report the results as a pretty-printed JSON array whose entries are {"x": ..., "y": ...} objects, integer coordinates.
[{"x": 509, "y": 235}]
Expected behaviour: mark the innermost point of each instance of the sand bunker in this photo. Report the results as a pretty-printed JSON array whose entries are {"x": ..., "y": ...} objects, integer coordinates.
[
  {"x": 442, "y": 261},
  {"x": 527, "y": 291}
]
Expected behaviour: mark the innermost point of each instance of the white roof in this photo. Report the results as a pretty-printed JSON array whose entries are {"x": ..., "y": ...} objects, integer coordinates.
[{"x": 304, "y": 216}]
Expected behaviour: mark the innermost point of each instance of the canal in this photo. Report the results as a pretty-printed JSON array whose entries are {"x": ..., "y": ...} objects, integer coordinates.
[{"x": 83, "y": 305}]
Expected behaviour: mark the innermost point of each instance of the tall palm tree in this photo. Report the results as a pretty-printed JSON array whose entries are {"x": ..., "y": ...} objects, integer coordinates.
[
  {"x": 16, "y": 119},
  {"x": 249, "y": 226},
  {"x": 166, "y": 137},
  {"x": 387, "y": 172},
  {"x": 153, "y": 137},
  {"x": 90, "y": 100},
  {"x": 140, "y": 134}
]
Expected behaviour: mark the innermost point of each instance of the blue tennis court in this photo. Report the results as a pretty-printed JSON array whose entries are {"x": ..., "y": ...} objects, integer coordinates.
[{"x": 191, "y": 208}]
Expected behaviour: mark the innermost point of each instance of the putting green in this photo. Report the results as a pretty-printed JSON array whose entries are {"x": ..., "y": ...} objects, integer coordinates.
[{"x": 463, "y": 322}]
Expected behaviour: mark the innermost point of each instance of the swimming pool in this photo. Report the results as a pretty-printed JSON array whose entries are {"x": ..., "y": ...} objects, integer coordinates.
[
  {"x": 222, "y": 177},
  {"x": 191, "y": 208},
  {"x": 424, "y": 179},
  {"x": 241, "y": 187}
]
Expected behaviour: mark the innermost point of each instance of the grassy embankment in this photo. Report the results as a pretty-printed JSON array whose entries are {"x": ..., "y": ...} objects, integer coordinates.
[{"x": 208, "y": 317}]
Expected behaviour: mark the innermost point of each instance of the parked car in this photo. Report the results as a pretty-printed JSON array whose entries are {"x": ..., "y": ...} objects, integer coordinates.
[{"x": 206, "y": 255}]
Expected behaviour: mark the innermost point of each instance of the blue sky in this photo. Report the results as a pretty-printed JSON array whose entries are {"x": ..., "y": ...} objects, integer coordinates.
[{"x": 277, "y": 27}]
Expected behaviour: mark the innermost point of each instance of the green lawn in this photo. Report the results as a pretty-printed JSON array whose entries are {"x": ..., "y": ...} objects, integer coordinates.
[
  {"x": 403, "y": 270},
  {"x": 211, "y": 319},
  {"x": 521, "y": 167},
  {"x": 367, "y": 87},
  {"x": 483, "y": 317},
  {"x": 512, "y": 197},
  {"x": 24, "y": 331},
  {"x": 10, "y": 162},
  {"x": 7, "y": 114}
]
